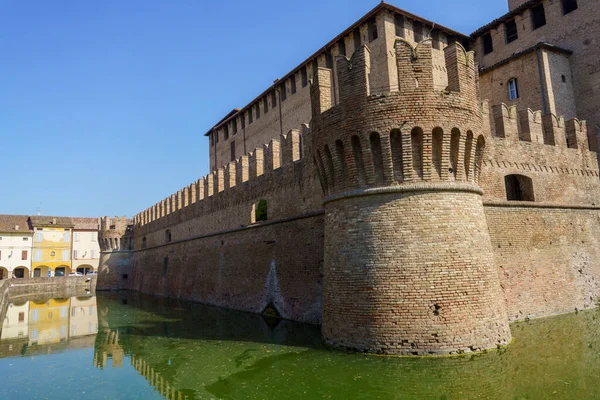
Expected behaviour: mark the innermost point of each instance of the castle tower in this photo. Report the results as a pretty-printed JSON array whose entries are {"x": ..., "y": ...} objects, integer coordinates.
[
  {"x": 115, "y": 238},
  {"x": 408, "y": 265}
]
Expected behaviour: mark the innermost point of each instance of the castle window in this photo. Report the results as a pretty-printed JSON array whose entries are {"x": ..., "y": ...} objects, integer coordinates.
[
  {"x": 234, "y": 126},
  {"x": 357, "y": 40},
  {"x": 568, "y": 6},
  {"x": 283, "y": 91},
  {"x": 216, "y": 136},
  {"x": 259, "y": 211},
  {"x": 265, "y": 105},
  {"x": 488, "y": 45},
  {"x": 519, "y": 188},
  {"x": 257, "y": 107},
  {"x": 250, "y": 116},
  {"x": 538, "y": 16},
  {"x": 293, "y": 83},
  {"x": 226, "y": 131},
  {"x": 342, "y": 47},
  {"x": 510, "y": 28},
  {"x": 232, "y": 150},
  {"x": 168, "y": 236},
  {"x": 563, "y": 78},
  {"x": 513, "y": 89},
  {"x": 315, "y": 67},
  {"x": 399, "y": 22},
  {"x": 243, "y": 119},
  {"x": 377, "y": 156},
  {"x": 273, "y": 99},
  {"x": 329, "y": 60},
  {"x": 372, "y": 28},
  {"x": 144, "y": 242},
  {"x": 165, "y": 265},
  {"x": 304, "y": 76},
  {"x": 418, "y": 31}
]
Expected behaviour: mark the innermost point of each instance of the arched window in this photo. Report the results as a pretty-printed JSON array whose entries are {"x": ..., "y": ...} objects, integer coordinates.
[
  {"x": 339, "y": 150},
  {"x": 436, "y": 150},
  {"x": 396, "y": 147},
  {"x": 144, "y": 242},
  {"x": 513, "y": 89},
  {"x": 519, "y": 188},
  {"x": 358, "y": 158},
  {"x": 376, "y": 156},
  {"x": 259, "y": 211},
  {"x": 168, "y": 236},
  {"x": 416, "y": 137}
]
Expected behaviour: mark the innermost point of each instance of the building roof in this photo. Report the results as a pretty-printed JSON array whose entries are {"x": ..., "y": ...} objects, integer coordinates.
[
  {"x": 380, "y": 7},
  {"x": 42, "y": 220},
  {"x": 85, "y": 223},
  {"x": 509, "y": 15},
  {"x": 8, "y": 223},
  {"x": 541, "y": 45}
]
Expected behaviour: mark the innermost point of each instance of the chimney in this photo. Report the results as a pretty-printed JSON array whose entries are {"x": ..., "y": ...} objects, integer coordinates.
[
  {"x": 53, "y": 221},
  {"x": 16, "y": 227}
]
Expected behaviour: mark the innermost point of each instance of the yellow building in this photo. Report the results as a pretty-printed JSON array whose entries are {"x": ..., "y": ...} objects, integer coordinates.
[
  {"x": 49, "y": 321},
  {"x": 52, "y": 246}
]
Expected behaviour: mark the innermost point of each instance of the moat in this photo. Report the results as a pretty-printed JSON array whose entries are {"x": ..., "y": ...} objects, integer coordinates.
[{"x": 129, "y": 346}]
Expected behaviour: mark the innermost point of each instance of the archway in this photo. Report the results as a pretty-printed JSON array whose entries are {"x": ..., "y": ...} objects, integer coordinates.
[
  {"x": 85, "y": 269},
  {"x": 21, "y": 272},
  {"x": 62, "y": 270},
  {"x": 3, "y": 273},
  {"x": 41, "y": 271}
]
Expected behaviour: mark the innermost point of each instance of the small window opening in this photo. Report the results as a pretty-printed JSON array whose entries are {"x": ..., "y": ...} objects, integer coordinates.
[
  {"x": 418, "y": 31},
  {"x": 304, "y": 75},
  {"x": 144, "y": 241},
  {"x": 372, "y": 28},
  {"x": 563, "y": 78},
  {"x": 399, "y": 22},
  {"x": 273, "y": 99},
  {"x": 168, "y": 236},
  {"x": 342, "y": 47},
  {"x": 513, "y": 89},
  {"x": 216, "y": 141},
  {"x": 259, "y": 211},
  {"x": 243, "y": 119},
  {"x": 125, "y": 277},
  {"x": 510, "y": 28},
  {"x": 232, "y": 150},
  {"x": 519, "y": 188},
  {"x": 357, "y": 39},
  {"x": 488, "y": 45},
  {"x": 265, "y": 105},
  {"x": 315, "y": 66},
  {"x": 257, "y": 110},
  {"x": 328, "y": 60},
  {"x": 538, "y": 16},
  {"x": 293, "y": 83},
  {"x": 250, "y": 115},
  {"x": 234, "y": 126},
  {"x": 165, "y": 265},
  {"x": 435, "y": 39},
  {"x": 568, "y": 6},
  {"x": 226, "y": 131},
  {"x": 283, "y": 91}
]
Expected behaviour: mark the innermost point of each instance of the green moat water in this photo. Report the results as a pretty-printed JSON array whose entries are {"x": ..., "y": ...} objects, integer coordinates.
[{"x": 128, "y": 346}]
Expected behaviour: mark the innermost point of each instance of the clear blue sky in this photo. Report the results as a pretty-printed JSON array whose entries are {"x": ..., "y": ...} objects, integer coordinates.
[{"x": 104, "y": 104}]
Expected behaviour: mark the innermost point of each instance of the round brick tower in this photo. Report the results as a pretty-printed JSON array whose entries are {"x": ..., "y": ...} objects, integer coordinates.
[
  {"x": 409, "y": 267},
  {"x": 115, "y": 238}
]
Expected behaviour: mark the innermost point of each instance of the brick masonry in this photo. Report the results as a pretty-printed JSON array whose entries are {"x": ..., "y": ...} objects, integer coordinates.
[{"x": 388, "y": 220}]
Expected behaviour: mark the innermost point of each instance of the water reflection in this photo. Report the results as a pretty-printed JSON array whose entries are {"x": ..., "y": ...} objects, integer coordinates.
[{"x": 161, "y": 348}]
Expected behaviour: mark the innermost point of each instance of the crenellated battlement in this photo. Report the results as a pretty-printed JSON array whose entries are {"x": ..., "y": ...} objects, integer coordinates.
[
  {"x": 259, "y": 162},
  {"x": 415, "y": 134},
  {"x": 115, "y": 234}
]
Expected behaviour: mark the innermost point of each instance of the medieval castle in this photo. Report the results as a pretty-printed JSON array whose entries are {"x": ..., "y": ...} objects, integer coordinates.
[{"x": 409, "y": 188}]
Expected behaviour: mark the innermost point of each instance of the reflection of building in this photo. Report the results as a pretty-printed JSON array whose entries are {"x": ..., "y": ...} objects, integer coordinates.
[
  {"x": 51, "y": 245},
  {"x": 107, "y": 345},
  {"x": 86, "y": 251},
  {"x": 15, "y": 246},
  {"x": 48, "y": 321},
  {"x": 16, "y": 320},
  {"x": 84, "y": 317}
]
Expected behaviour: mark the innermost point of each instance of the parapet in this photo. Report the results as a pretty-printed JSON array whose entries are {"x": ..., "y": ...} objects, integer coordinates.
[
  {"x": 262, "y": 160},
  {"x": 512, "y": 125},
  {"x": 115, "y": 234}
]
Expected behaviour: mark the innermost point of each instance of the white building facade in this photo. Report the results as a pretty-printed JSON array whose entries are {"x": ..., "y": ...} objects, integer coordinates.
[
  {"x": 16, "y": 241},
  {"x": 86, "y": 250}
]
